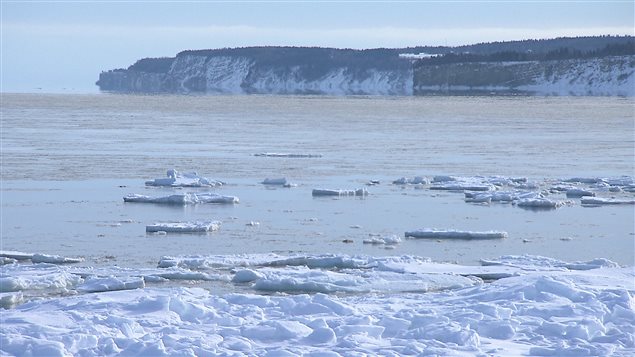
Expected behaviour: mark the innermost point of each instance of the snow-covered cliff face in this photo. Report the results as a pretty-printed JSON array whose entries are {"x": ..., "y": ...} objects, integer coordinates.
[
  {"x": 191, "y": 73},
  {"x": 607, "y": 76},
  {"x": 234, "y": 74}
]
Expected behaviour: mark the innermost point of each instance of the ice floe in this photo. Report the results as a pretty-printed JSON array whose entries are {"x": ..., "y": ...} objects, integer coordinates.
[
  {"x": 328, "y": 192},
  {"x": 184, "y": 227},
  {"x": 599, "y": 201},
  {"x": 537, "y": 306},
  {"x": 539, "y": 203},
  {"x": 186, "y": 179},
  {"x": 417, "y": 180},
  {"x": 499, "y": 196},
  {"x": 37, "y": 257},
  {"x": 578, "y": 192},
  {"x": 182, "y": 199},
  {"x": 454, "y": 234},
  {"x": 282, "y": 181},
  {"x": 387, "y": 240},
  {"x": 287, "y": 155}
]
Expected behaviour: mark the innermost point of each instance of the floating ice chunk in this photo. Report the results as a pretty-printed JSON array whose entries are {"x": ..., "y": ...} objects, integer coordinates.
[
  {"x": 443, "y": 178},
  {"x": 188, "y": 179},
  {"x": 539, "y": 203},
  {"x": 215, "y": 198},
  {"x": 327, "y": 192},
  {"x": 54, "y": 259},
  {"x": 246, "y": 276},
  {"x": 38, "y": 258},
  {"x": 11, "y": 254},
  {"x": 278, "y": 182},
  {"x": 184, "y": 227},
  {"x": 587, "y": 180},
  {"x": 417, "y": 180},
  {"x": 579, "y": 192},
  {"x": 287, "y": 155},
  {"x": 462, "y": 186},
  {"x": 499, "y": 196},
  {"x": 275, "y": 181},
  {"x": 401, "y": 181},
  {"x": 454, "y": 234},
  {"x": 598, "y": 201},
  {"x": 383, "y": 240},
  {"x": 111, "y": 283},
  {"x": 182, "y": 199}
]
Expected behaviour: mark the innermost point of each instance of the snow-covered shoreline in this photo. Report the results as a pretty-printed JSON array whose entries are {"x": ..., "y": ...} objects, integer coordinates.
[{"x": 535, "y": 306}]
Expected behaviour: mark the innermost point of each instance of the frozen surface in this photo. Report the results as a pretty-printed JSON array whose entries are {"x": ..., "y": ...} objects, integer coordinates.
[
  {"x": 546, "y": 307},
  {"x": 182, "y": 199},
  {"x": 187, "y": 179},
  {"x": 454, "y": 234},
  {"x": 184, "y": 227}
]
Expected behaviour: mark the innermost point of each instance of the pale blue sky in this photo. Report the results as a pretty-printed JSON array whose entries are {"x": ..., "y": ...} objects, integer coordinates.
[{"x": 63, "y": 45}]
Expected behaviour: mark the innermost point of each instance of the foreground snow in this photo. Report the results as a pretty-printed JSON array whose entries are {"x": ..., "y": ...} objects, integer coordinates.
[{"x": 538, "y": 306}]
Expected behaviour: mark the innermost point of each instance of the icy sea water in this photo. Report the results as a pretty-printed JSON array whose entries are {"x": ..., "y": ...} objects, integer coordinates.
[{"x": 67, "y": 161}]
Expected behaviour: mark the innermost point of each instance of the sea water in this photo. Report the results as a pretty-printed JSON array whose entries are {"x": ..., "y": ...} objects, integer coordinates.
[{"x": 68, "y": 161}]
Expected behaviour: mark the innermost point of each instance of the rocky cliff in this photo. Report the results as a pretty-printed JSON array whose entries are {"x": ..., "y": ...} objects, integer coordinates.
[
  {"x": 585, "y": 66},
  {"x": 314, "y": 71},
  {"x": 605, "y": 76}
]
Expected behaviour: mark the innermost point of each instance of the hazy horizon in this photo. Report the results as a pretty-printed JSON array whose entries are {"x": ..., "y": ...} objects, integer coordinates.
[{"x": 63, "y": 46}]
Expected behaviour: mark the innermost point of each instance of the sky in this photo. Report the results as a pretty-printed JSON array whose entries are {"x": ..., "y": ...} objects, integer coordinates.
[{"x": 63, "y": 45}]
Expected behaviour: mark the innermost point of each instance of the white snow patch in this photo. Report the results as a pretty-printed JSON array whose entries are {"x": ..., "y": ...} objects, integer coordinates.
[{"x": 547, "y": 309}]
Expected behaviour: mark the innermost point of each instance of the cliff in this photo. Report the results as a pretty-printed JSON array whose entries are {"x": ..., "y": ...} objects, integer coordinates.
[
  {"x": 605, "y": 76},
  {"x": 601, "y": 65},
  {"x": 269, "y": 71}
]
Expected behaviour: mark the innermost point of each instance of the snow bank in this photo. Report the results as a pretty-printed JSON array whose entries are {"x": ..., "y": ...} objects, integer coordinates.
[
  {"x": 187, "y": 179},
  {"x": 454, "y": 234},
  {"x": 327, "y": 192},
  {"x": 184, "y": 227},
  {"x": 544, "y": 311},
  {"x": 287, "y": 155},
  {"x": 182, "y": 199}
]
